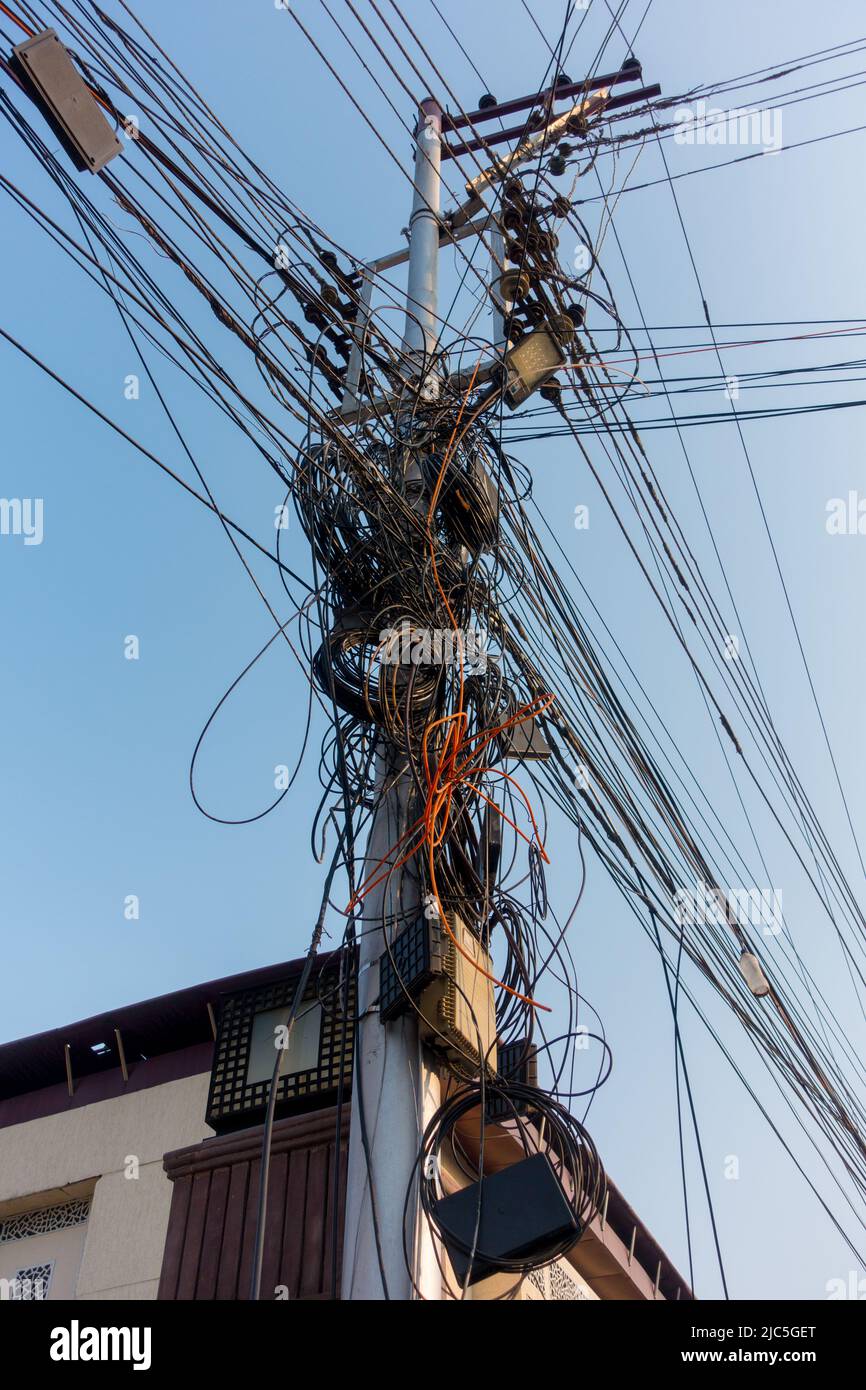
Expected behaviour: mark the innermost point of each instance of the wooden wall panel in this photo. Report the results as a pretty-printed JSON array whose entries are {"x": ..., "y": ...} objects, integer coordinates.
[{"x": 211, "y": 1230}]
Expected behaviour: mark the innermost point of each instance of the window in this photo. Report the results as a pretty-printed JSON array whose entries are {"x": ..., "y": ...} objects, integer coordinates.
[{"x": 303, "y": 1050}]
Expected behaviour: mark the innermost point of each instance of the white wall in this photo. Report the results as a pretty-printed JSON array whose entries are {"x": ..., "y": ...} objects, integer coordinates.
[{"x": 125, "y": 1233}]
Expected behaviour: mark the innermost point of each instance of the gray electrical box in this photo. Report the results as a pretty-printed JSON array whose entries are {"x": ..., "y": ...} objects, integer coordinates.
[
  {"x": 524, "y": 741},
  {"x": 67, "y": 102}
]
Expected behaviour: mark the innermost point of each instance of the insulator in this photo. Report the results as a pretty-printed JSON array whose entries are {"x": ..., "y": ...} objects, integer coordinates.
[
  {"x": 315, "y": 317},
  {"x": 561, "y": 327},
  {"x": 545, "y": 244},
  {"x": 534, "y": 314},
  {"x": 342, "y": 345},
  {"x": 512, "y": 219},
  {"x": 512, "y": 286}
]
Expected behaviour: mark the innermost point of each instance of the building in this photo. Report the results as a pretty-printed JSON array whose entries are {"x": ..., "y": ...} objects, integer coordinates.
[{"x": 130, "y": 1150}]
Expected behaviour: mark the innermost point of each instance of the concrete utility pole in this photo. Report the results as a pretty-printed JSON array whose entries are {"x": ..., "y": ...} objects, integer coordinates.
[{"x": 395, "y": 1093}]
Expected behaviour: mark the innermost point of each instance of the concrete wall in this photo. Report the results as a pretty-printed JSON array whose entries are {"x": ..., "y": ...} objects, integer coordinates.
[{"x": 125, "y": 1234}]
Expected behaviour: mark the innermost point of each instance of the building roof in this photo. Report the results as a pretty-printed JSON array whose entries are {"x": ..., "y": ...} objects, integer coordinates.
[{"x": 148, "y": 1029}]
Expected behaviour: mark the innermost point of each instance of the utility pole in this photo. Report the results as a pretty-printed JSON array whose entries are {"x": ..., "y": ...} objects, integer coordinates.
[{"x": 395, "y": 1092}]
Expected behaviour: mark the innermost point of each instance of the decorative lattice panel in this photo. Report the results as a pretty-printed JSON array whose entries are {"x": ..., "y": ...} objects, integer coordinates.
[
  {"x": 232, "y": 1094},
  {"x": 414, "y": 959},
  {"x": 31, "y": 1285},
  {"x": 39, "y": 1223}
]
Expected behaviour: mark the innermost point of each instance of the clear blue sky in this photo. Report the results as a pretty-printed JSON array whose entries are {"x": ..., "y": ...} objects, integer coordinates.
[{"x": 96, "y": 748}]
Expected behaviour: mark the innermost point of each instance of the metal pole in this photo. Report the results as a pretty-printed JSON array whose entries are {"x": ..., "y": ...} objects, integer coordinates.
[
  {"x": 421, "y": 337},
  {"x": 351, "y": 400},
  {"x": 394, "y": 1091}
]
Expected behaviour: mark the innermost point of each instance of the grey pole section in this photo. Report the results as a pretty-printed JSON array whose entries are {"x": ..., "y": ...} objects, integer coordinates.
[
  {"x": 398, "y": 1092},
  {"x": 422, "y": 330},
  {"x": 351, "y": 400}
]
